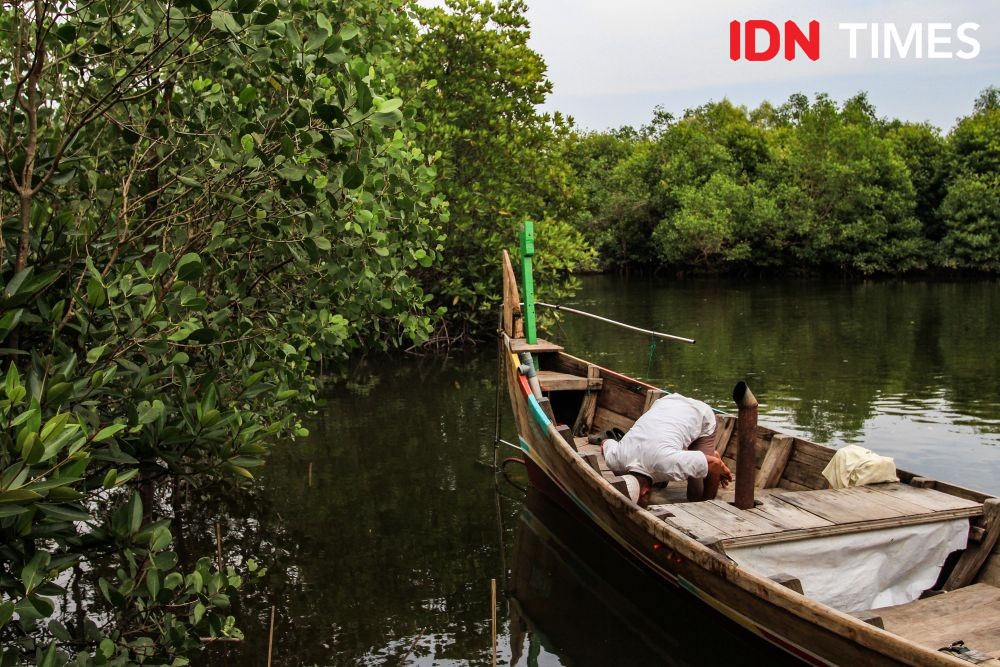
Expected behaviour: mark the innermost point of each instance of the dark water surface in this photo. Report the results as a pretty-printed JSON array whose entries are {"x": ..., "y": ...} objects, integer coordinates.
[{"x": 387, "y": 557}]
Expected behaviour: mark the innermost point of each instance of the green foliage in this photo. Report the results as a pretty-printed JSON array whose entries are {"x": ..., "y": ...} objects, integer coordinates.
[
  {"x": 809, "y": 185},
  {"x": 200, "y": 205},
  {"x": 969, "y": 212},
  {"x": 500, "y": 162}
]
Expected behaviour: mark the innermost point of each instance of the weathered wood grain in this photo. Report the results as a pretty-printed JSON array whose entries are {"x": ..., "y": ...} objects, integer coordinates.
[
  {"x": 556, "y": 381},
  {"x": 975, "y": 555},
  {"x": 775, "y": 460}
]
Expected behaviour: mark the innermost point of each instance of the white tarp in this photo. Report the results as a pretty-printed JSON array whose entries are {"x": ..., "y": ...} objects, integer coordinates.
[{"x": 860, "y": 571}]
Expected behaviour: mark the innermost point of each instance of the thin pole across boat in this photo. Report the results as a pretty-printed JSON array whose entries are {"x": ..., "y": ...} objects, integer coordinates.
[{"x": 657, "y": 334}]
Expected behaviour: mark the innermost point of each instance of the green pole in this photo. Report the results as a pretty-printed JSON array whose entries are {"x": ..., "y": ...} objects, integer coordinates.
[{"x": 527, "y": 251}]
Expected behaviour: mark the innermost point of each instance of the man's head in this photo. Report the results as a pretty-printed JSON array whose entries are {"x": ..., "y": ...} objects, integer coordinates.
[{"x": 639, "y": 487}]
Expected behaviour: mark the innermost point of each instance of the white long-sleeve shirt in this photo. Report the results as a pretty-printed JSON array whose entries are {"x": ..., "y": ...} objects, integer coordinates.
[{"x": 656, "y": 445}]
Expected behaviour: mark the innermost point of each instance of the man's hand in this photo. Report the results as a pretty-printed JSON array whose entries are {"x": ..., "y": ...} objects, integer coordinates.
[{"x": 717, "y": 468}]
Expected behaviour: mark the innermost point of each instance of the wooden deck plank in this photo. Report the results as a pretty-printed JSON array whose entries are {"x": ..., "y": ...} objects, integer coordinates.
[
  {"x": 844, "y": 528},
  {"x": 970, "y": 614},
  {"x": 929, "y": 498},
  {"x": 791, "y": 517},
  {"x": 841, "y": 505},
  {"x": 725, "y": 522},
  {"x": 939, "y": 605},
  {"x": 693, "y": 525},
  {"x": 897, "y": 502},
  {"x": 763, "y": 524}
]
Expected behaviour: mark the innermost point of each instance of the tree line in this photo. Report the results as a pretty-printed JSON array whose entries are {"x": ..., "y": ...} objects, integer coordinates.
[
  {"x": 806, "y": 186},
  {"x": 209, "y": 206}
]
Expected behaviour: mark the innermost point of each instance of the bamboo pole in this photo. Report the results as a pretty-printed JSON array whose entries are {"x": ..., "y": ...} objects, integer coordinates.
[
  {"x": 527, "y": 282},
  {"x": 746, "y": 457},
  {"x": 493, "y": 609}
]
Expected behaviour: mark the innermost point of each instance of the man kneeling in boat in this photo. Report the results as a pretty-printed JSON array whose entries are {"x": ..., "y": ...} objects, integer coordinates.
[{"x": 673, "y": 441}]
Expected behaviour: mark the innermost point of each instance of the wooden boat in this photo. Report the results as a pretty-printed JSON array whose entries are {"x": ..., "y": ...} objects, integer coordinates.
[{"x": 692, "y": 545}]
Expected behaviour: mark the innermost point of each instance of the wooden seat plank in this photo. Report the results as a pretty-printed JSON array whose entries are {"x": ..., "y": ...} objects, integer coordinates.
[
  {"x": 518, "y": 345},
  {"x": 555, "y": 381}
]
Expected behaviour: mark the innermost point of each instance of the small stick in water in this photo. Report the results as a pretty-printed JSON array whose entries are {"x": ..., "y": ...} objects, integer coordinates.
[
  {"x": 493, "y": 599},
  {"x": 310, "y": 474},
  {"x": 270, "y": 638}
]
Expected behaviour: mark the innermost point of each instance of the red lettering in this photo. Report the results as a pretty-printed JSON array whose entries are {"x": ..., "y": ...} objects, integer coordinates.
[
  {"x": 734, "y": 40},
  {"x": 794, "y": 37},
  {"x": 774, "y": 40}
]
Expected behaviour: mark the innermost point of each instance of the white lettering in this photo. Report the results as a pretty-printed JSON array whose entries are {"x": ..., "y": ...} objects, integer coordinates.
[
  {"x": 903, "y": 48},
  {"x": 854, "y": 28},
  {"x": 971, "y": 41},
  {"x": 933, "y": 40},
  {"x": 874, "y": 41}
]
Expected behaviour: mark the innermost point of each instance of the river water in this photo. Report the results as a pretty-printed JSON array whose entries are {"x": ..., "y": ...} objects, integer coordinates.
[{"x": 382, "y": 530}]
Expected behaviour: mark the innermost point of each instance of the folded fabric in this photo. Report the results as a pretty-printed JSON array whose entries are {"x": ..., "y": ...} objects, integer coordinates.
[{"x": 857, "y": 466}]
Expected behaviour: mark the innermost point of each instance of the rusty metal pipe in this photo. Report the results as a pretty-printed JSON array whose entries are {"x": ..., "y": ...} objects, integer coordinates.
[{"x": 746, "y": 455}]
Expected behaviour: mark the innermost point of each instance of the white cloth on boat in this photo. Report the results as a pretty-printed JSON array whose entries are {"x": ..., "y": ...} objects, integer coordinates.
[
  {"x": 857, "y": 466},
  {"x": 861, "y": 571},
  {"x": 656, "y": 445}
]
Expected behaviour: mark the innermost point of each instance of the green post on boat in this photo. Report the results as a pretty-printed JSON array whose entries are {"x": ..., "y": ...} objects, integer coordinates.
[{"x": 527, "y": 251}]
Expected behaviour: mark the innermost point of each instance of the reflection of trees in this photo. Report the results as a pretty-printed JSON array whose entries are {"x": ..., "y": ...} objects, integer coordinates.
[
  {"x": 397, "y": 536},
  {"x": 821, "y": 352}
]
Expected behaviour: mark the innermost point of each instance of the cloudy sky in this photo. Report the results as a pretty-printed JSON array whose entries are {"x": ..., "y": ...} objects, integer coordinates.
[{"x": 612, "y": 61}]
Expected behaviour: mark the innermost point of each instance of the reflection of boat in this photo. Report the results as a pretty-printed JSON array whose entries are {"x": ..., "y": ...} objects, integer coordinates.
[
  {"x": 578, "y": 596},
  {"x": 877, "y": 575}
]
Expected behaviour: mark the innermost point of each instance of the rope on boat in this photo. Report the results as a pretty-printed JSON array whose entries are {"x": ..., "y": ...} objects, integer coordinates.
[
  {"x": 655, "y": 334},
  {"x": 503, "y": 470}
]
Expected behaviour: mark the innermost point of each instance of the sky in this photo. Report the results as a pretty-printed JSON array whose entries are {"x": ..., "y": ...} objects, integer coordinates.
[{"x": 612, "y": 62}]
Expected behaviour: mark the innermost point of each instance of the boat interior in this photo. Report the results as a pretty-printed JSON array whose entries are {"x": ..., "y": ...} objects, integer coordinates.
[{"x": 794, "y": 506}]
